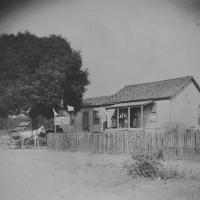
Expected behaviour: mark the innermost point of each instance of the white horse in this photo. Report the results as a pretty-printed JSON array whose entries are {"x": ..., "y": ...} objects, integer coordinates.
[{"x": 35, "y": 134}]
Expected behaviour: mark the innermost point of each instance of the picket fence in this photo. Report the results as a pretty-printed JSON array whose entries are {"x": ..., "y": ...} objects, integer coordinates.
[{"x": 171, "y": 144}]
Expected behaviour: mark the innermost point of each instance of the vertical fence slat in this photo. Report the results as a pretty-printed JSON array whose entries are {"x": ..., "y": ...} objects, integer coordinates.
[{"x": 174, "y": 144}]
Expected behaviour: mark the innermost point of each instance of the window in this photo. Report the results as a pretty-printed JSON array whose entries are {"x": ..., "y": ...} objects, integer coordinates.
[
  {"x": 95, "y": 117},
  {"x": 85, "y": 120},
  {"x": 153, "y": 112}
]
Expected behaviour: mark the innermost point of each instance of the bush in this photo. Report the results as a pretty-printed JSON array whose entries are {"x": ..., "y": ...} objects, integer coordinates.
[
  {"x": 170, "y": 172},
  {"x": 147, "y": 165}
]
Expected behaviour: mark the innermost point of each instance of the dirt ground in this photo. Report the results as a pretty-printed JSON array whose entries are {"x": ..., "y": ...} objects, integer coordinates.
[{"x": 45, "y": 175}]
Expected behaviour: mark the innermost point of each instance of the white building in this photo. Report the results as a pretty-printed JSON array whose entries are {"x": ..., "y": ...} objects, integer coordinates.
[{"x": 162, "y": 104}]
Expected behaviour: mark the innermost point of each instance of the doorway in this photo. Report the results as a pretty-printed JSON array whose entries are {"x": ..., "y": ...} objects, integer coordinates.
[{"x": 135, "y": 117}]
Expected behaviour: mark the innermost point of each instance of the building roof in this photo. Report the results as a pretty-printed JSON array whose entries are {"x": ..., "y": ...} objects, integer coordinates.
[
  {"x": 22, "y": 126},
  {"x": 158, "y": 90},
  {"x": 97, "y": 101}
]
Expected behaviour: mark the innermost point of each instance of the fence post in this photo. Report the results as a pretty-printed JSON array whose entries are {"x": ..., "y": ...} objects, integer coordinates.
[{"x": 173, "y": 143}]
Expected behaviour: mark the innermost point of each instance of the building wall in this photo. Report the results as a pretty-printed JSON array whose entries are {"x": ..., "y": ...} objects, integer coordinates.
[
  {"x": 184, "y": 108},
  {"x": 92, "y": 127},
  {"x": 162, "y": 115}
]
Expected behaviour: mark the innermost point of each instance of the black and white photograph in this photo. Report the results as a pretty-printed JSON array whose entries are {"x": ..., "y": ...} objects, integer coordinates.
[{"x": 100, "y": 99}]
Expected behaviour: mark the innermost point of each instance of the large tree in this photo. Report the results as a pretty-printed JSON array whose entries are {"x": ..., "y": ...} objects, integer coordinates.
[{"x": 39, "y": 72}]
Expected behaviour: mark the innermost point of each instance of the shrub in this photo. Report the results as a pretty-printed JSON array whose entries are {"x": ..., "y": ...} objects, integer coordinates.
[{"x": 147, "y": 165}]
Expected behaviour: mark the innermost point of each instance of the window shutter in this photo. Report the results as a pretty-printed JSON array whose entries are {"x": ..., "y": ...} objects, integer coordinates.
[
  {"x": 85, "y": 120},
  {"x": 154, "y": 108},
  {"x": 153, "y": 113}
]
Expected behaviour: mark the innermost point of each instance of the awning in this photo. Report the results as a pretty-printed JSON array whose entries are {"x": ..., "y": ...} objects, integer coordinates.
[{"x": 131, "y": 104}]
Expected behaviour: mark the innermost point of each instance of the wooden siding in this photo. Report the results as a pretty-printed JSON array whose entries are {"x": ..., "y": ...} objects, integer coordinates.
[
  {"x": 162, "y": 116},
  {"x": 92, "y": 127},
  {"x": 184, "y": 108}
]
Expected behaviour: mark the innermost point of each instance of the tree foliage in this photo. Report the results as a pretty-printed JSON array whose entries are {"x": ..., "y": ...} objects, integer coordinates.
[{"x": 38, "y": 72}]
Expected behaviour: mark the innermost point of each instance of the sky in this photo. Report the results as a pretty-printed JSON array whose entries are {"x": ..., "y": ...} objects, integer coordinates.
[{"x": 122, "y": 42}]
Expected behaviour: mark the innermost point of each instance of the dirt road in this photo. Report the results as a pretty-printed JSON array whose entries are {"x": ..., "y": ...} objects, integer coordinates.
[{"x": 43, "y": 175}]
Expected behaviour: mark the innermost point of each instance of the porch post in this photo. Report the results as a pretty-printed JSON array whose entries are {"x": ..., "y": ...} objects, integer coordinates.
[
  {"x": 55, "y": 128},
  {"x": 117, "y": 117},
  {"x": 129, "y": 118},
  {"x": 142, "y": 117}
]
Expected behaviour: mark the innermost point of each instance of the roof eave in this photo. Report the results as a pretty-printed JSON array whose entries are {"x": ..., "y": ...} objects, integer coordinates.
[
  {"x": 195, "y": 83},
  {"x": 117, "y": 102},
  {"x": 147, "y": 99},
  {"x": 95, "y": 106}
]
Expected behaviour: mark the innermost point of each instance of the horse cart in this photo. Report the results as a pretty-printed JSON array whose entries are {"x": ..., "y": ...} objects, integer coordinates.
[{"x": 23, "y": 136}]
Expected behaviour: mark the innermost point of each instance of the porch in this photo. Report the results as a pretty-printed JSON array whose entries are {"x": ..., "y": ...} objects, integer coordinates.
[{"x": 130, "y": 115}]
